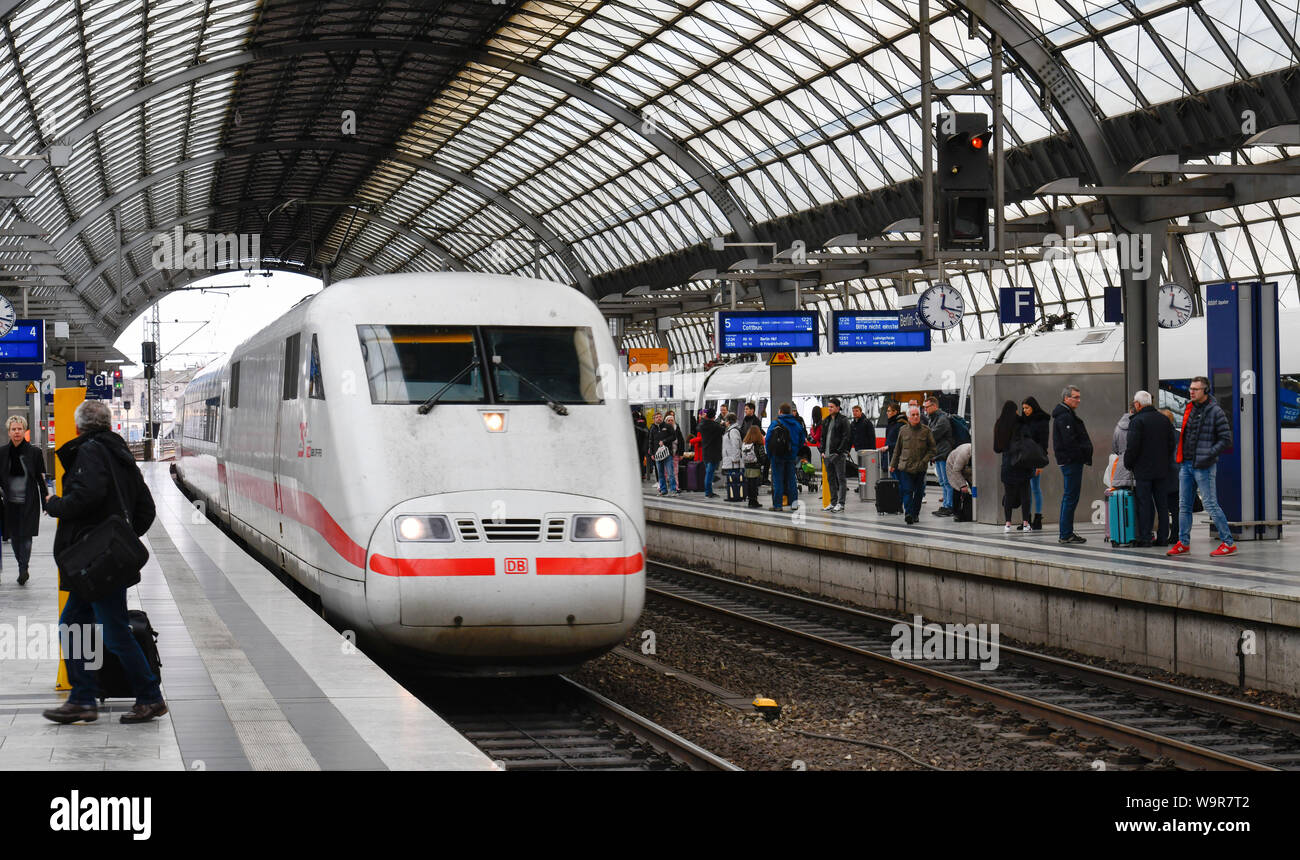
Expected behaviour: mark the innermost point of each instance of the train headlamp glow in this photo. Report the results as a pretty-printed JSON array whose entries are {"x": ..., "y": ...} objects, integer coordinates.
[
  {"x": 605, "y": 527},
  {"x": 424, "y": 528},
  {"x": 494, "y": 421}
]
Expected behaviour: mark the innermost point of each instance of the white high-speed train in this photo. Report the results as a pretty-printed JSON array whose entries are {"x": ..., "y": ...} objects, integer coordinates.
[
  {"x": 403, "y": 446},
  {"x": 869, "y": 379}
]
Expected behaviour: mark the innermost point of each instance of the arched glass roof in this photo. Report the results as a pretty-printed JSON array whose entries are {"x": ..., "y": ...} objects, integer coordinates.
[{"x": 601, "y": 144}]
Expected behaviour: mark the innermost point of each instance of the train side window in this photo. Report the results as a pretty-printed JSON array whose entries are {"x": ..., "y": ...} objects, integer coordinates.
[
  {"x": 234, "y": 385},
  {"x": 290, "y": 368},
  {"x": 315, "y": 385}
]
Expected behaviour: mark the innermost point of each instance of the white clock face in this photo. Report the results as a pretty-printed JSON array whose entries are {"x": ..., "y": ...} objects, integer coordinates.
[
  {"x": 1173, "y": 305},
  {"x": 7, "y": 316},
  {"x": 941, "y": 306}
]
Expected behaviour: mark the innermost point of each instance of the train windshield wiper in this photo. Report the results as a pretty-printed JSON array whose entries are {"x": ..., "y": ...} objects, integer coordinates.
[
  {"x": 425, "y": 407},
  {"x": 557, "y": 408}
]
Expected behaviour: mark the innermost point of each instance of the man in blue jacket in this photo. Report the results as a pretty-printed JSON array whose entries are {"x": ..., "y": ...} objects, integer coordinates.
[
  {"x": 1073, "y": 448},
  {"x": 783, "y": 450},
  {"x": 1206, "y": 434}
]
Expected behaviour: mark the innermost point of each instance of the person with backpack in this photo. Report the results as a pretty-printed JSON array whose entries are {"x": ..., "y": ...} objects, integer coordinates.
[
  {"x": 753, "y": 457},
  {"x": 1037, "y": 427},
  {"x": 731, "y": 463},
  {"x": 1008, "y": 435},
  {"x": 101, "y": 479},
  {"x": 911, "y": 458},
  {"x": 941, "y": 427},
  {"x": 784, "y": 438},
  {"x": 836, "y": 441},
  {"x": 1206, "y": 434}
]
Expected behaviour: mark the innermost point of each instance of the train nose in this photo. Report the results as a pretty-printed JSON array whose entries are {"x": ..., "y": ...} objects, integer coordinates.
[{"x": 532, "y": 566}]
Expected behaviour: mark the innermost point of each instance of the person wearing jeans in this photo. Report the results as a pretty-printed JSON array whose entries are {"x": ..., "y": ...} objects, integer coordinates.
[
  {"x": 1073, "y": 448},
  {"x": 912, "y": 454},
  {"x": 941, "y": 427},
  {"x": 1206, "y": 434}
]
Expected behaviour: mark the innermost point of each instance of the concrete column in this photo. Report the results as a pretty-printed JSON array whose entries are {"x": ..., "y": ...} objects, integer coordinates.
[{"x": 1140, "y": 257}]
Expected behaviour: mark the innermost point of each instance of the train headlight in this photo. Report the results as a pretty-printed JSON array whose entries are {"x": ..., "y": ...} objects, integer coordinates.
[
  {"x": 605, "y": 527},
  {"x": 424, "y": 528},
  {"x": 495, "y": 422}
]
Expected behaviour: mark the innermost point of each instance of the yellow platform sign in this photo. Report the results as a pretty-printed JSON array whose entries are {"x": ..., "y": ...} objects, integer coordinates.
[
  {"x": 31, "y": 388},
  {"x": 781, "y": 358}
]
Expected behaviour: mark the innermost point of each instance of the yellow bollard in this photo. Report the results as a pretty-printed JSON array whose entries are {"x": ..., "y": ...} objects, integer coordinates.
[
  {"x": 66, "y": 401},
  {"x": 826, "y": 487}
]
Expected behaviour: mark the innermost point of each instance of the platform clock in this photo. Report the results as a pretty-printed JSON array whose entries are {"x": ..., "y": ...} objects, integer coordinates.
[
  {"x": 7, "y": 316},
  {"x": 1174, "y": 305},
  {"x": 941, "y": 306}
]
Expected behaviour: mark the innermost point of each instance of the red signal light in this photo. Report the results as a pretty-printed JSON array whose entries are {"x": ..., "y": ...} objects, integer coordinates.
[{"x": 977, "y": 143}]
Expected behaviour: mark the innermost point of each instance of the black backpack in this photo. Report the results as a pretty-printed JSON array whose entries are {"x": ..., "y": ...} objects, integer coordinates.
[
  {"x": 960, "y": 430},
  {"x": 778, "y": 440}
]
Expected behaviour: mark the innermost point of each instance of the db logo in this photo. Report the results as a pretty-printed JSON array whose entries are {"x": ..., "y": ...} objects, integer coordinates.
[{"x": 516, "y": 565}]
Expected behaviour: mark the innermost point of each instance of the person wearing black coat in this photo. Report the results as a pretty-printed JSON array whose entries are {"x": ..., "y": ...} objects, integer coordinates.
[
  {"x": 667, "y": 432},
  {"x": 864, "y": 435},
  {"x": 1015, "y": 479},
  {"x": 1037, "y": 427},
  {"x": 1073, "y": 449},
  {"x": 1150, "y": 446},
  {"x": 711, "y": 448},
  {"x": 894, "y": 422},
  {"x": 642, "y": 436},
  {"x": 101, "y": 480},
  {"x": 24, "y": 493}
]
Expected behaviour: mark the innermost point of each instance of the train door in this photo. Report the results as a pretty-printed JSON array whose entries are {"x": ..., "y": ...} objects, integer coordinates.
[
  {"x": 977, "y": 361},
  {"x": 286, "y": 464}
]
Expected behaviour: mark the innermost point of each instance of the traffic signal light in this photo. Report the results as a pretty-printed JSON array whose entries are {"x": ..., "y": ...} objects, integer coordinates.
[
  {"x": 964, "y": 182},
  {"x": 149, "y": 352},
  {"x": 117, "y": 383}
]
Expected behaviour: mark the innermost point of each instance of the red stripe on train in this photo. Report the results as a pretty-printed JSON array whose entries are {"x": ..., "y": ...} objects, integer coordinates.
[
  {"x": 432, "y": 566},
  {"x": 590, "y": 566}
]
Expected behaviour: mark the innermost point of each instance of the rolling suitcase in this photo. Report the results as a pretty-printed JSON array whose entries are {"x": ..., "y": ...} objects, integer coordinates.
[
  {"x": 689, "y": 474},
  {"x": 112, "y": 680},
  {"x": 735, "y": 487},
  {"x": 889, "y": 500},
  {"x": 963, "y": 508},
  {"x": 1121, "y": 516}
]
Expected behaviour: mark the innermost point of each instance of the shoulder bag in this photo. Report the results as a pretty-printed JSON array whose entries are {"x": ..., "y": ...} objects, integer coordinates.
[{"x": 106, "y": 557}]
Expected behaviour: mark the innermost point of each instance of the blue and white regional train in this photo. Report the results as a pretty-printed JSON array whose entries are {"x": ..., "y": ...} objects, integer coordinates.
[{"x": 442, "y": 459}]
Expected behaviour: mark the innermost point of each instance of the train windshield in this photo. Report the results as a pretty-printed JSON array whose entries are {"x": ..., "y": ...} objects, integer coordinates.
[
  {"x": 410, "y": 364},
  {"x": 540, "y": 364}
]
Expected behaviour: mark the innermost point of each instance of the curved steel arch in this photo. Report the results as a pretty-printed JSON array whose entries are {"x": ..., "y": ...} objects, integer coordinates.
[
  {"x": 708, "y": 179},
  {"x": 86, "y": 280}
]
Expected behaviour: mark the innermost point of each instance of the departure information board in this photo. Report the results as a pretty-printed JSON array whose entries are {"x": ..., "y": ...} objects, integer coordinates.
[
  {"x": 766, "y": 331},
  {"x": 25, "y": 344},
  {"x": 875, "y": 331}
]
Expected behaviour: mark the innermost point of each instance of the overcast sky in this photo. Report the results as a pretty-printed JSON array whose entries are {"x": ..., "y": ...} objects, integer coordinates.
[{"x": 231, "y": 316}]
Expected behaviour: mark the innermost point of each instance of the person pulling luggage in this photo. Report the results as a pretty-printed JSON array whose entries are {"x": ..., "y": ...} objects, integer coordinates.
[{"x": 98, "y": 466}]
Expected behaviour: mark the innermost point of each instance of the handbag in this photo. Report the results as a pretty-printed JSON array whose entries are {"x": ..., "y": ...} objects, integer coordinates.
[
  {"x": 1029, "y": 454},
  {"x": 662, "y": 453},
  {"x": 104, "y": 558}
]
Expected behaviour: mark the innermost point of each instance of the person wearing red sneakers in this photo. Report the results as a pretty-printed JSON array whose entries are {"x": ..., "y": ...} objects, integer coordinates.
[{"x": 1206, "y": 434}]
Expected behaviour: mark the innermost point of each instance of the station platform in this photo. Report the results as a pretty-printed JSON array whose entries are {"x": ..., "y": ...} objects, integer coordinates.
[
  {"x": 1230, "y": 618},
  {"x": 254, "y": 680}
]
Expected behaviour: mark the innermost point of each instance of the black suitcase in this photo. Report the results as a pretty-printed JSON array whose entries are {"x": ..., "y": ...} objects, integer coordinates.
[
  {"x": 112, "y": 680},
  {"x": 735, "y": 489},
  {"x": 963, "y": 508},
  {"x": 888, "y": 498}
]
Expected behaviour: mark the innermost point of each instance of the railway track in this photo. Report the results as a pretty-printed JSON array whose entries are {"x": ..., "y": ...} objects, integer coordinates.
[
  {"x": 548, "y": 724},
  {"x": 1193, "y": 729}
]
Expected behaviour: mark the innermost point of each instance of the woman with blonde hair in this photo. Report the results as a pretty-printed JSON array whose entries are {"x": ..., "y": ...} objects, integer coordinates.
[{"x": 23, "y": 484}]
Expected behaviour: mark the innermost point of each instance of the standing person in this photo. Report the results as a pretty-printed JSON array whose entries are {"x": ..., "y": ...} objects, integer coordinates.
[
  {"x": 751, "y": 419},
  {"x": 837, "y": 438},
  {"x": 98, "y": 465},
  {"x": 731, "y": 465},
  {"x": 863, "y": 433},
  {"x": 784, "y": 438},
  {"x": 753, "y": 456},
  {"x": 1119, "y": 477},
  {"x": 1146, "y": 455},
  {"x": 24, "y": 490},
  {"x": 642, "y": 435},
  {"x": 711, "y": 446},
  {"x": 815, "y": 433},
  {"x": 941, "y": 426},
  {"x": 1037, "y": 427},
  {"x": 1073, "y": 449},
  {"x": 1206, "y": 435},
  {"x": 894, "y": 422},
  {"x": 1007, "y": 434},
  {"x": 667, "y": 444},
  {"x": 723, "y": 412},
  {"x": 911, "y": 458},
  {"x": 1172, "y": 482}
]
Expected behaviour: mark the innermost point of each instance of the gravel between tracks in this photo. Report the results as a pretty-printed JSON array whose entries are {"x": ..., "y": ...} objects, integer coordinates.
[{"x": 946, "y": 731}]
